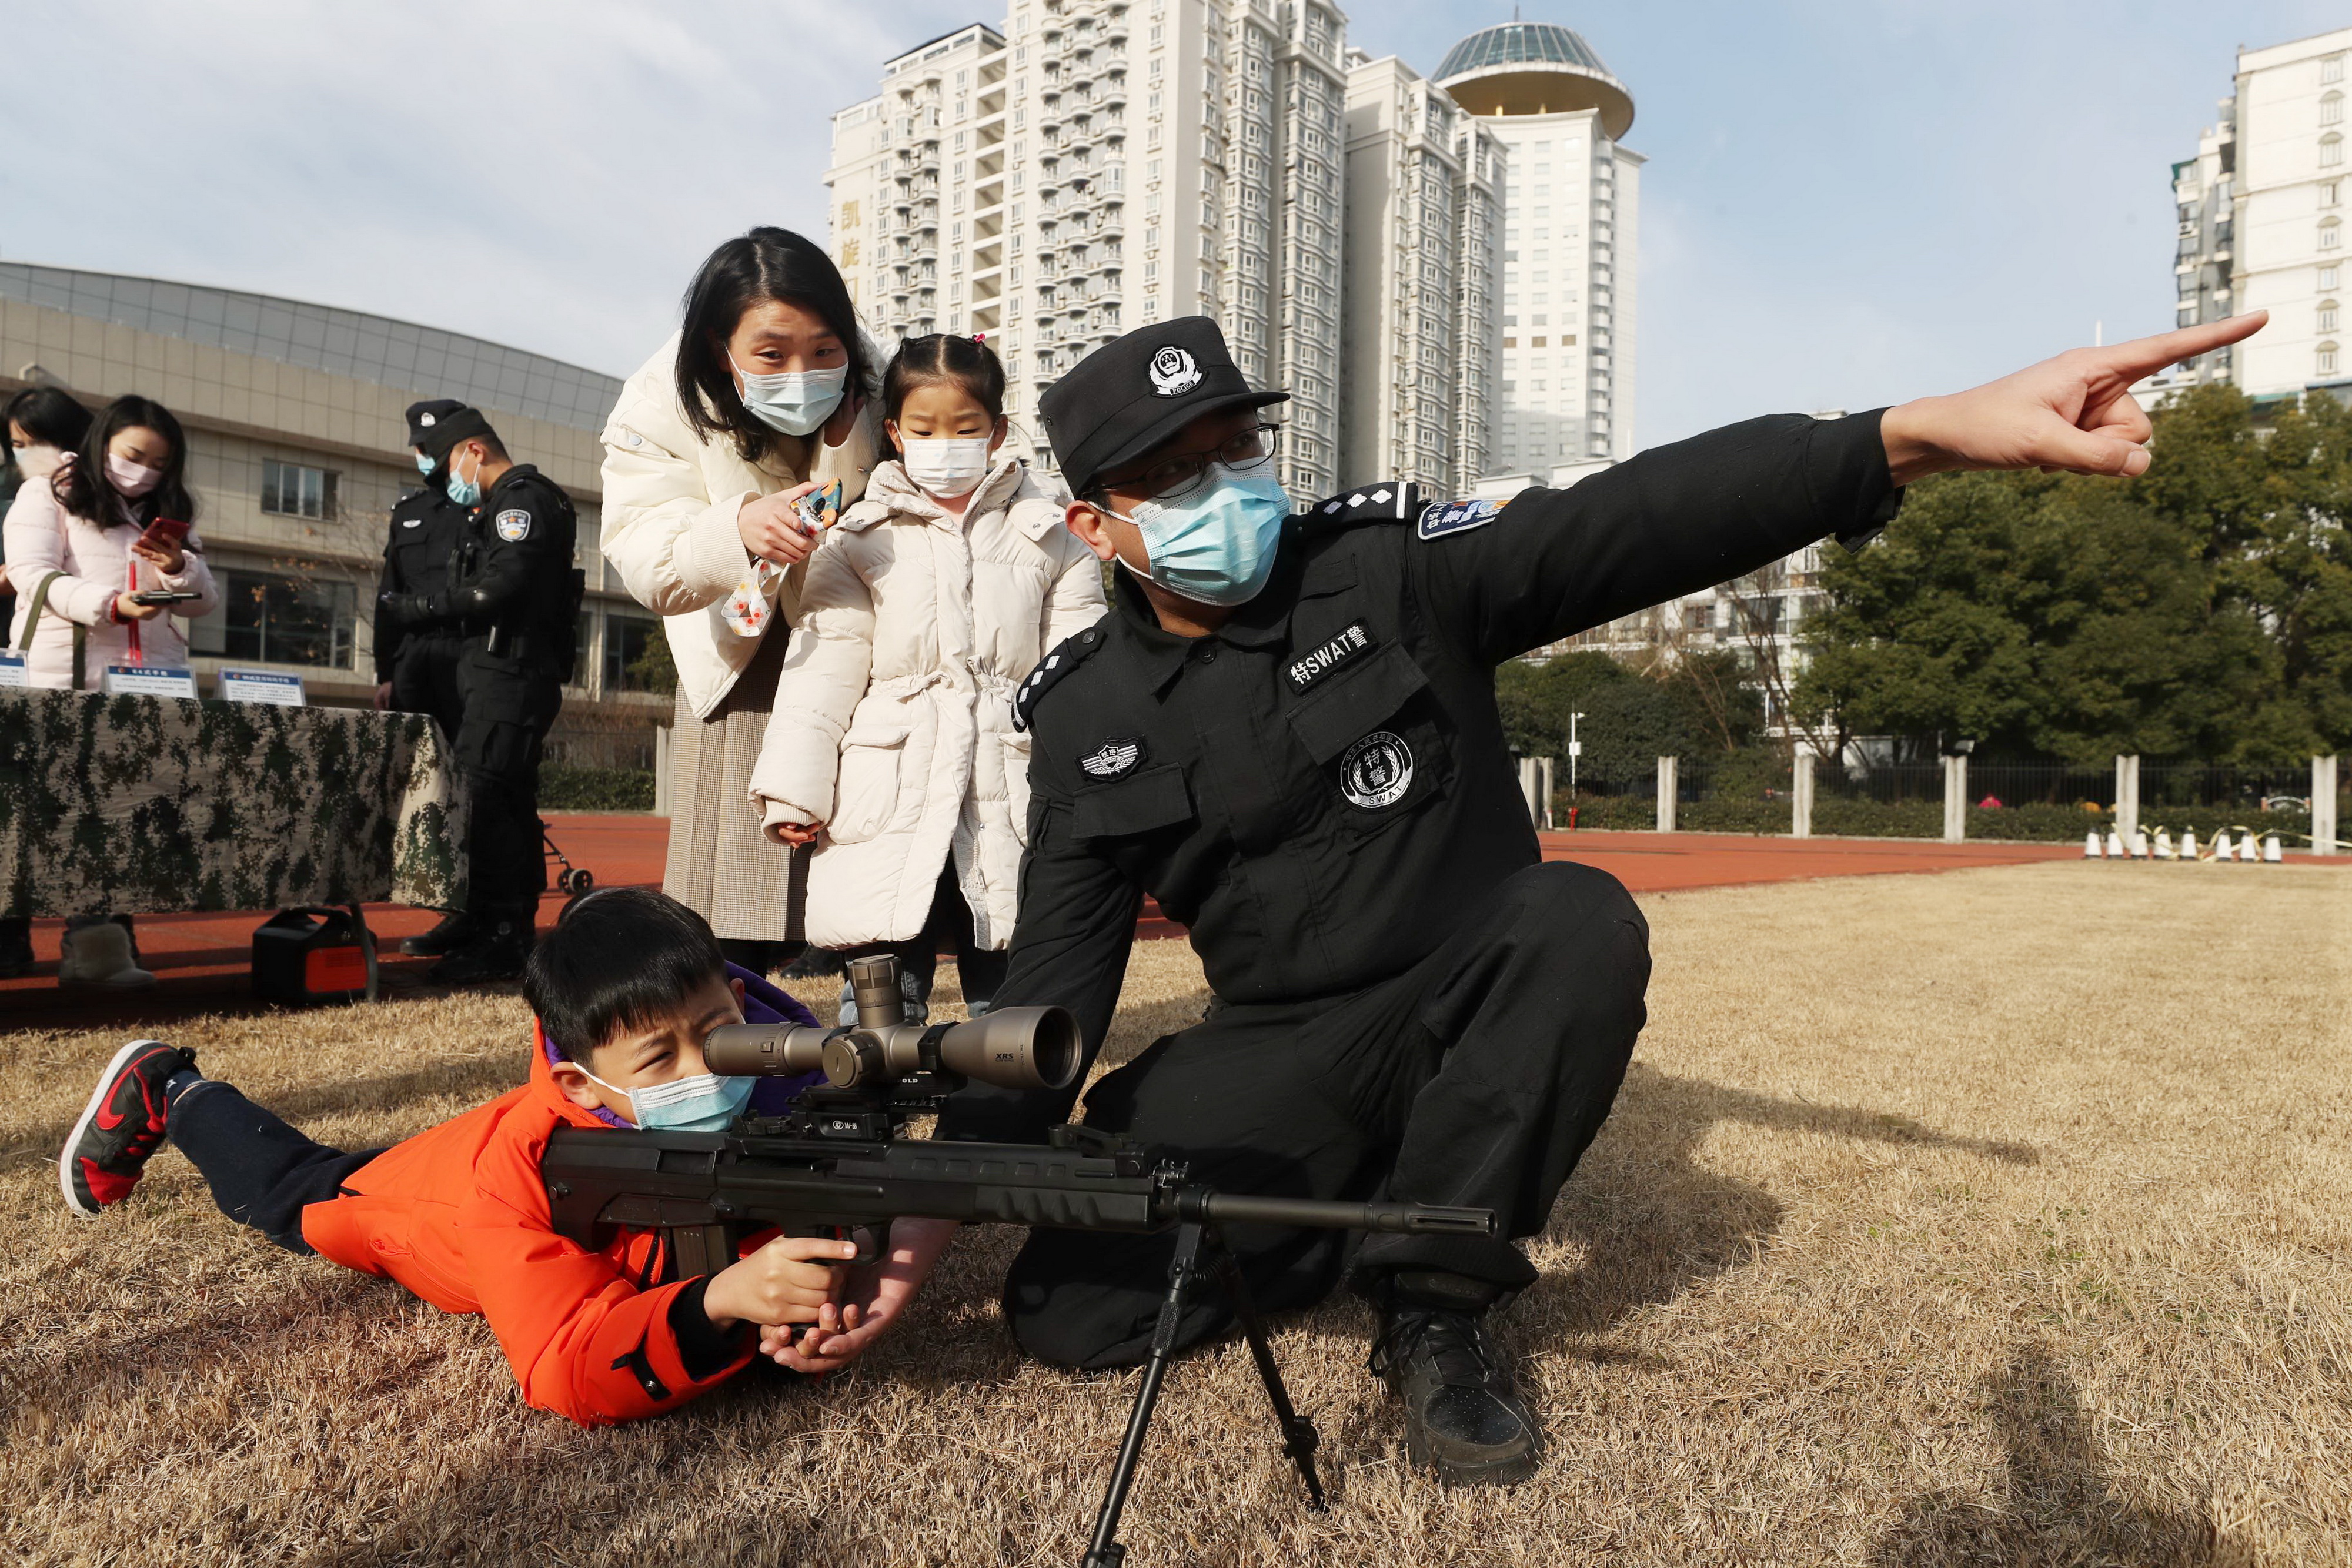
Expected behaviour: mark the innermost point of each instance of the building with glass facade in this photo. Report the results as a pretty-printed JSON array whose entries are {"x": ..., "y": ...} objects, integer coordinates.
[{"x": 1571, "y": 214}]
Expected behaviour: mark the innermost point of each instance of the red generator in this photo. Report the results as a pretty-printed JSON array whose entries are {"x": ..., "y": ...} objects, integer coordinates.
[{"x": 314, "y": 956}]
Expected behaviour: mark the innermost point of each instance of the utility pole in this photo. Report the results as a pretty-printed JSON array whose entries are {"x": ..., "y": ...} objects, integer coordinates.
[{"x": 1575, "y": 750}]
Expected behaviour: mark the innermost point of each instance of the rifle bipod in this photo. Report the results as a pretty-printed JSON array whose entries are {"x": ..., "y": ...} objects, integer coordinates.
[{"x": 1201, "y": 1256}]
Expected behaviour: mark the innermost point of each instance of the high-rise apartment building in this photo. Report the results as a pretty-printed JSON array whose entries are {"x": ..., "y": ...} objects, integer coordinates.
[
  {"x": 1096, "y": 164},
  {"x": 2261, "y": 210},
  {"x": 1572, "y": 212},
  {"x": 1421, "y": 280}
]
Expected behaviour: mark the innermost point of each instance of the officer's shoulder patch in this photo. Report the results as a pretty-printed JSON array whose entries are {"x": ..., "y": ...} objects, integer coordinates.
[
  {"x": 1440, "y": 518},
  {"x": 1396, "y": 501},
  {"x": 1053, "y": 669},
  {"x": 514, "y": 524}
]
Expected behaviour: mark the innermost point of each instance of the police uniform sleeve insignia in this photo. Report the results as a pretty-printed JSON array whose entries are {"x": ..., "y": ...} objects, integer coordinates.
[
  {"x": 514, "y": 524},
  {"x": 1114, "y": 758},
  {"x": 1051, "y": 670},
  {"x": 1393, "y": 502},
  {"x": 1440, "y": 518}
]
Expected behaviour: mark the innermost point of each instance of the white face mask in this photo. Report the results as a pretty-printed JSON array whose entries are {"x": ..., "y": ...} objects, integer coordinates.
[
  {"x": 38, "y": 462},
  {"x": 948, "y": 466}
]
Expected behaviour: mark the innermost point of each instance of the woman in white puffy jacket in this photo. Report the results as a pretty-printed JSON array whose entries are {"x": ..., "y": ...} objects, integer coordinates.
[
  {"x": 763, "y": 397},
  {"x": 79, "y": 553},
  {"x": 891, "y": 746}
]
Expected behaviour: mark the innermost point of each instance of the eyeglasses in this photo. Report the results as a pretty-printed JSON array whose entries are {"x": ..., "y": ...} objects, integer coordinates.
[{"x": 1171, "y": 479}]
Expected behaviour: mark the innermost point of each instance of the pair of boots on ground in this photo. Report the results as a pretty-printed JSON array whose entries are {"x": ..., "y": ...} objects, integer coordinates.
[
  {"x": 473, "y": 949},
  {"x": 1464, "y": 1416}
]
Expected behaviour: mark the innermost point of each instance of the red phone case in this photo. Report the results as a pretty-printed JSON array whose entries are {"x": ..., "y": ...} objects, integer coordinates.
[{"x": 165, "y": 533}]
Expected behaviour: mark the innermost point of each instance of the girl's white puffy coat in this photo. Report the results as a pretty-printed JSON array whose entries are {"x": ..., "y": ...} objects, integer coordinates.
[{"x": 893, "y": 723}]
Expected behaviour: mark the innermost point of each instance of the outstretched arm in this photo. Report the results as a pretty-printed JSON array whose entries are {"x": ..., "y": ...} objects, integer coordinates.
[{"x": 2074, "y": 413}]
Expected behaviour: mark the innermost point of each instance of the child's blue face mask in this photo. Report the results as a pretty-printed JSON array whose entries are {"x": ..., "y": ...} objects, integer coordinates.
[{"x": 702, "y": 1103}]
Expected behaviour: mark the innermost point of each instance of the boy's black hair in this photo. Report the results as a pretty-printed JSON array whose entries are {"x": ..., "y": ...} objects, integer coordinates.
[
  {"x": 619, "y": 959},
  {"x": 944, "y": 356}
]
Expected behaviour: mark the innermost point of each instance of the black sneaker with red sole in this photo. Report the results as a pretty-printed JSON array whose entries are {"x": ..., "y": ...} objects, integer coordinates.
[{"x": 123, "y": 1125}]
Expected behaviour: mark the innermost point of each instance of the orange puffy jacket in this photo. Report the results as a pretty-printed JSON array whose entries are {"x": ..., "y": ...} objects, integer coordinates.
[{"x": 458, "y": 1216}]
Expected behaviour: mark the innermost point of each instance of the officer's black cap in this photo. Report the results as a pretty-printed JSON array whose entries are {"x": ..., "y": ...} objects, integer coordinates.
[
  {"x": 435, "y": 426},
  {"x": 1136, "y": 392}
]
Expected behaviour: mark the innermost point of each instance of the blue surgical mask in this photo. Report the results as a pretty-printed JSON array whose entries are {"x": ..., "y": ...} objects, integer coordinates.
[
  {"x": 702, "y": 1103},
  {"x": 1216, "y": 546},
  {"x": 794, "y": 402},
  {"x": 425, "y": 465},
  {"x": 465, "y": 492}
]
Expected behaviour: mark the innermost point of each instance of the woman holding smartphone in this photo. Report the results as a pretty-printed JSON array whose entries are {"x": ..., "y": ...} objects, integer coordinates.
[
  {"x": 102, "y": 556},
  {"x": 104, "y": 565},
  {"x": 762, "y": 399}
]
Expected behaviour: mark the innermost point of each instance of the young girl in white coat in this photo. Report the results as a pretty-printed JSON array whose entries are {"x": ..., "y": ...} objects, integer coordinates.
[{"x": 891, "y": 745}]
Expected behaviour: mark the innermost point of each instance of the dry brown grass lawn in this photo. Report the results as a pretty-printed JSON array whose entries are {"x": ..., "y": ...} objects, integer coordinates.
[{"x": 1998, "y": 1216}]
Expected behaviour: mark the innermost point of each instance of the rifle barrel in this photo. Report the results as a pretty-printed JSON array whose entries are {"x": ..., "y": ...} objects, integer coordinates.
[{"x": 1323, "y": 1214}]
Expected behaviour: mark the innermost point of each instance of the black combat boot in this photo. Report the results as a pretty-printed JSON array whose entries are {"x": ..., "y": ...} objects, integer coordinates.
[
  {"x": 1463, "y": 1417},
  {"x": 456, "y": 930},
  {"x": 497, "y": 951}
]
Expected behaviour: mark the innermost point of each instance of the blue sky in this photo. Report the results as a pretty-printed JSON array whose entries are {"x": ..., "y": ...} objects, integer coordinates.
[{"x": 1845, "y": 203}]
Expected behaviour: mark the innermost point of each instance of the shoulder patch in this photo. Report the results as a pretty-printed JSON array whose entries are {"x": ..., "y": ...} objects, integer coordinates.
[
  {"x": 1051, "y": 669},
  {"x": 514, "y": 524},
  {"x": 1441, "y": 518},
  {"x": 1394, "y": 501}
]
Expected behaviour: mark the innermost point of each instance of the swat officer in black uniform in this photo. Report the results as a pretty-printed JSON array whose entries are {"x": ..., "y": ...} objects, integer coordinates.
[
  {"x": 417, "y": 662},
  {"x": 1285, "y": 732},
  {"x": 514, "y": 595}
]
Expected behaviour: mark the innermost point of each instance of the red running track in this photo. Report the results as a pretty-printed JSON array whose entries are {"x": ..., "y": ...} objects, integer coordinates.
[{"x": 200, "y": 960}]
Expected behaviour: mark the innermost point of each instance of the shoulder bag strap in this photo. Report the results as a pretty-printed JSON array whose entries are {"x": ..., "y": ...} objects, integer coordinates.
[{"x": 33, "y": 606}]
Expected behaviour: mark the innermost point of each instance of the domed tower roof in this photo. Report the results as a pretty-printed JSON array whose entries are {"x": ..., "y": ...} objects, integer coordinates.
[{"x": 1534, "y": 68}]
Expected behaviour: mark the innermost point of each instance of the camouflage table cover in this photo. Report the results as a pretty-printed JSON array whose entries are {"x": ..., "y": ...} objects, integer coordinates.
[{"x": 150, "y": 805}]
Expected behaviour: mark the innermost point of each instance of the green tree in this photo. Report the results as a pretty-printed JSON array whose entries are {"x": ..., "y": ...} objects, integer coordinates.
[
  {"x": 1630, "y": 719},
  {"x": 2202, "y": 610}
]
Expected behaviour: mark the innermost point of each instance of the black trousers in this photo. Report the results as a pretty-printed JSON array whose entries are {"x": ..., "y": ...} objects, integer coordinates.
[
  {"x": 1477, "y": 1077},
  {"x": 262, "y": 1172},
  {"x": 949, "y": 926},
  {"x": 428, "y": 678},
  {"x": 509, "y": 705}
]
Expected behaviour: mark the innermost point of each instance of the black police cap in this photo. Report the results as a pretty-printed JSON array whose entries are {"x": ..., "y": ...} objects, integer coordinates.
[
  {"x": 437, "y": 425},
  {"x": 1134, "y": 392}
]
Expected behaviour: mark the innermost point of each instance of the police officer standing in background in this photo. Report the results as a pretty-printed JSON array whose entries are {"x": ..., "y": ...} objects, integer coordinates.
[
  {"x": 514, "y": 598},
  {"x": 1286, "y": 731},
  {"x": 418, "y": 661}
]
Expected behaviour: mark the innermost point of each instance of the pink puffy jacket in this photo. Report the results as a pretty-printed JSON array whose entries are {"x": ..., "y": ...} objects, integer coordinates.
[{"x": 95, "y": 564}]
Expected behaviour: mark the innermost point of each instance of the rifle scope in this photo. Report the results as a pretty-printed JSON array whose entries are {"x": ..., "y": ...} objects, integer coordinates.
[{"x": 1012, "y": 1048}]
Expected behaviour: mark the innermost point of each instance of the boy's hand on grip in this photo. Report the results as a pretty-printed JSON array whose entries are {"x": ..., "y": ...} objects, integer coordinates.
[
  {"x": 876, "y": 1296},
  {"x": 792, "y": 1279}
]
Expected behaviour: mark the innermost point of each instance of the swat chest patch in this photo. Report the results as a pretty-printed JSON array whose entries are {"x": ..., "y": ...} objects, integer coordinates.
[
  {"x": 1114, "y": 758},
  {"x": 1376, "y": 771},
  {"x": 1306, "y": 669},
  {"x": 1441, "y": 518},
  {"x": 514, "y": 524}
]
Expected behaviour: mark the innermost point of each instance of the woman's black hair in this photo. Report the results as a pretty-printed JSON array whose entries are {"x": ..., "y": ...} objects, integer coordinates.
[
  {"x": 83, "y": 489},
  {"x": 49, "y": 416},
  {"x": 752, "y": 269},
  {"x": 620, "y": 958},
  {"x": 965, "y": 362}
]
